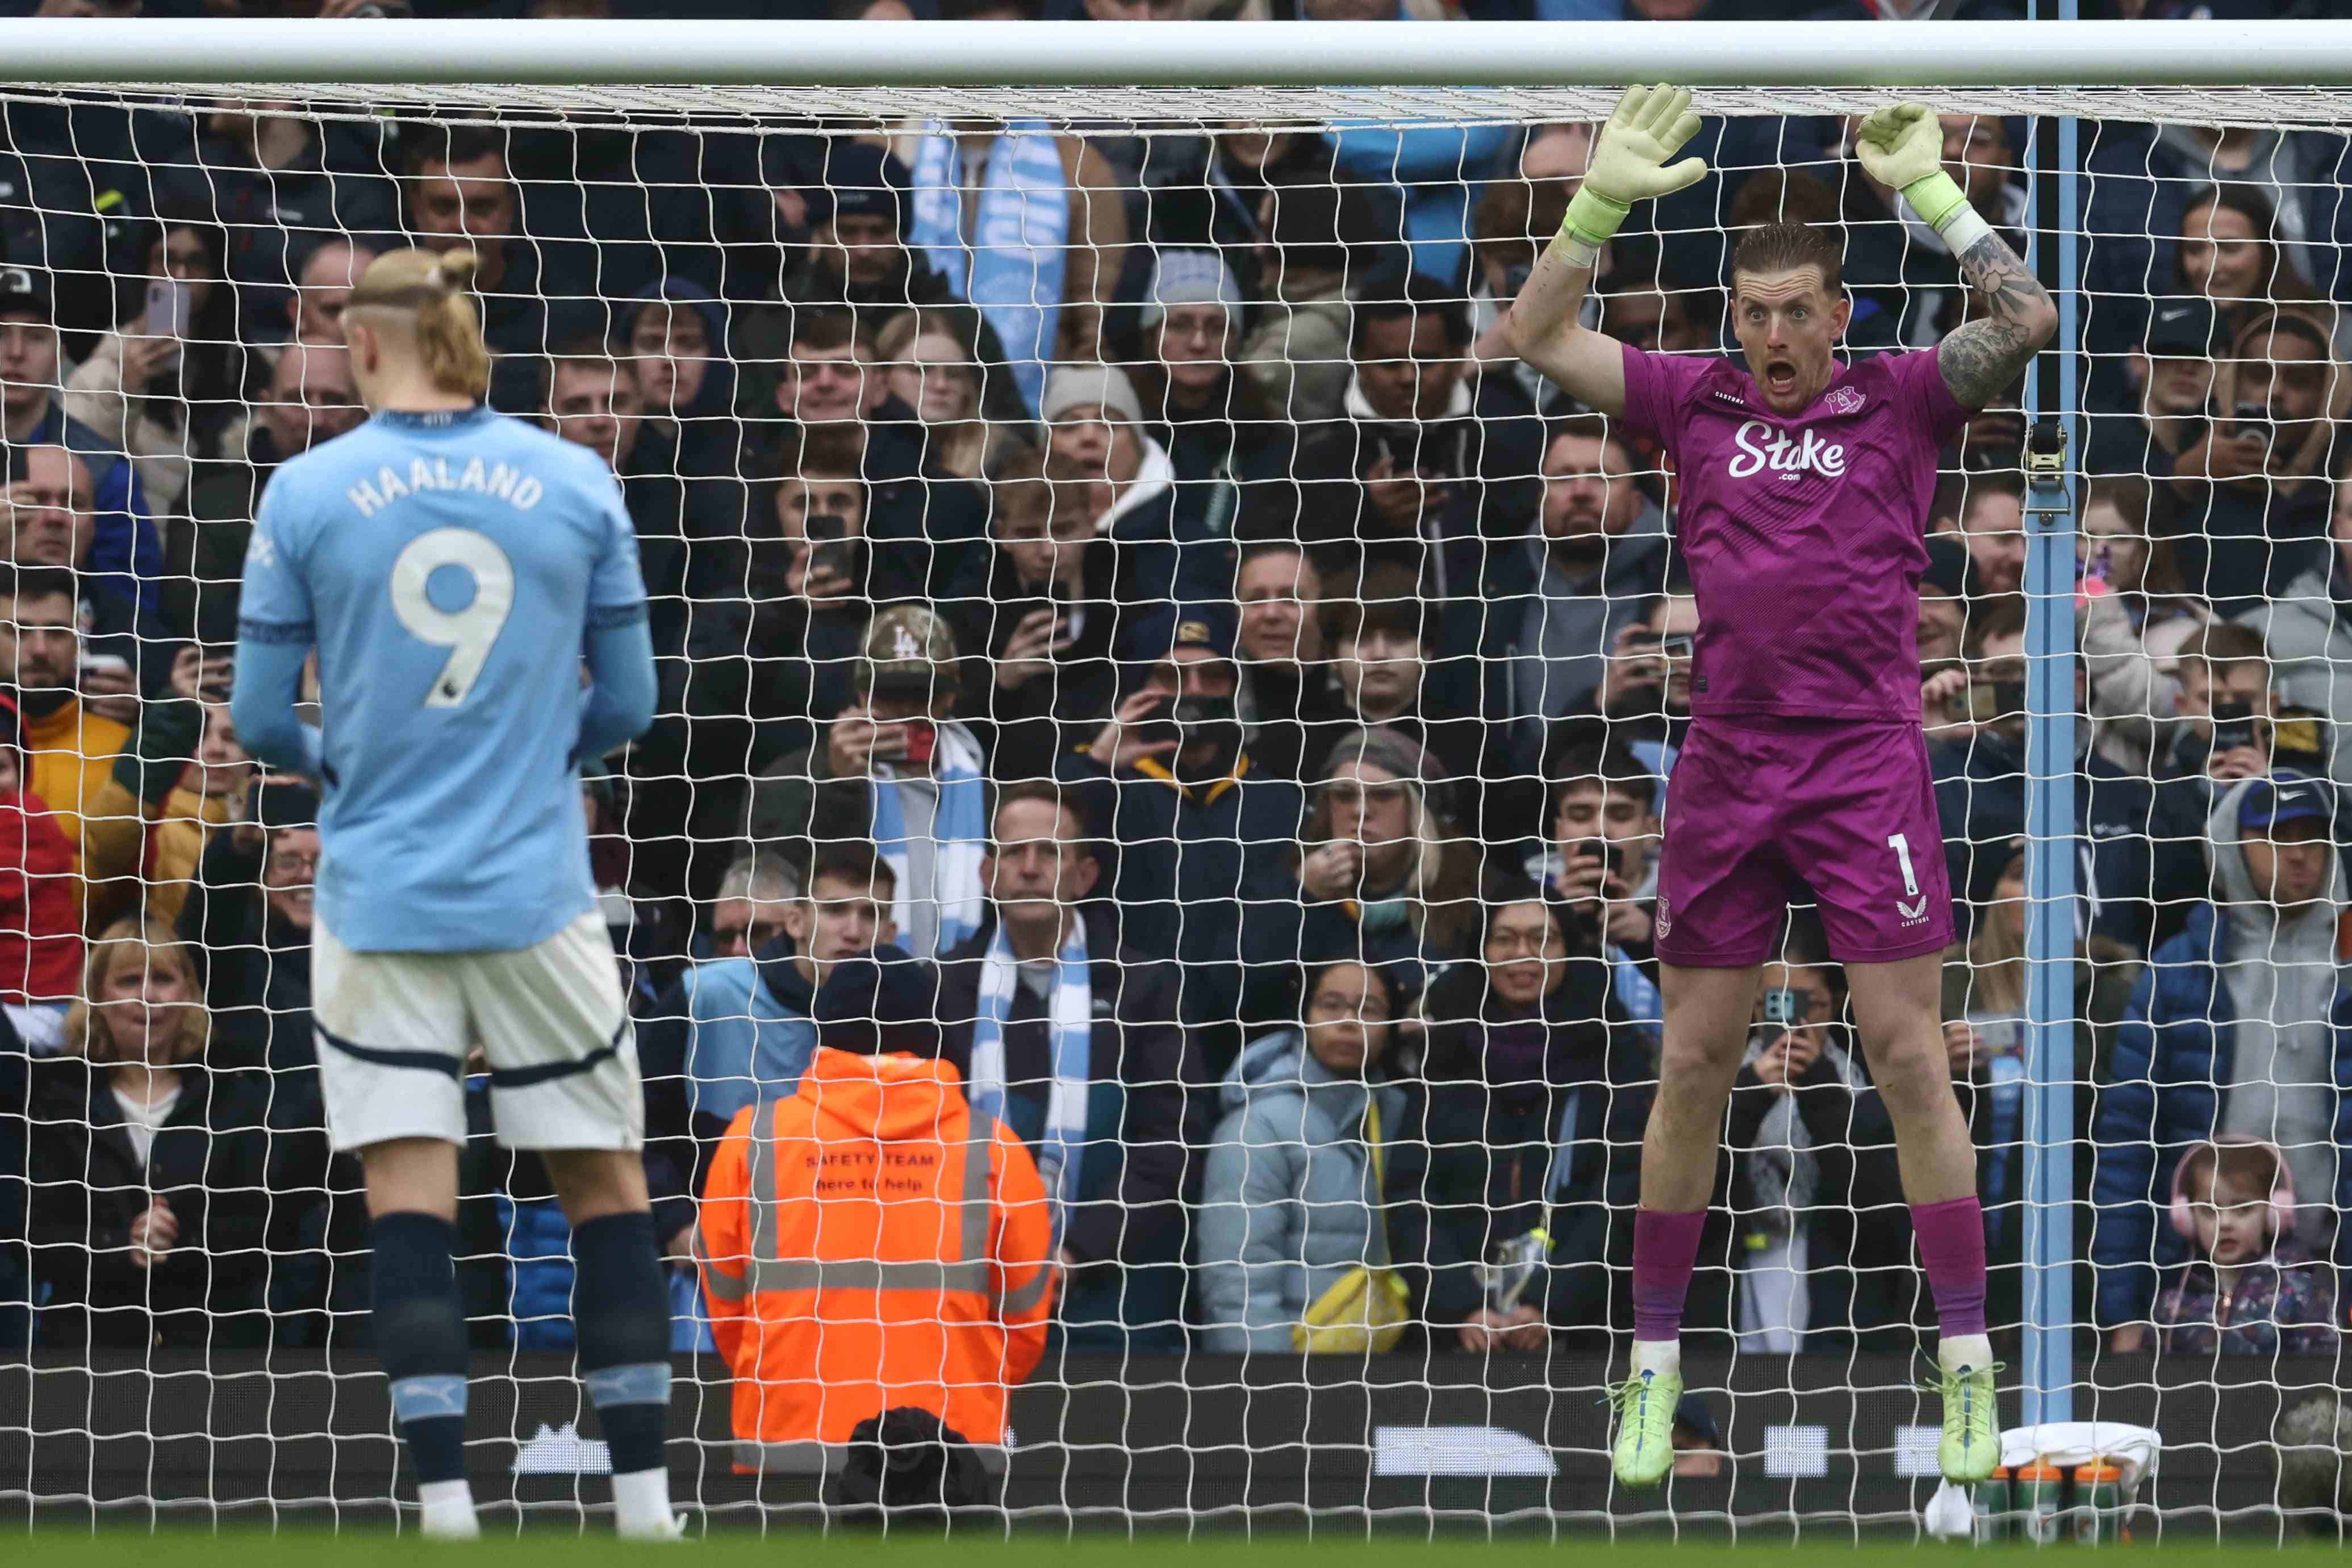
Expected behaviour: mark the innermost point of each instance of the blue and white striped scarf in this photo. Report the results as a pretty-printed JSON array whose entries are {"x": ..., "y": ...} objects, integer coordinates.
[
  {"x": 1012, "y": 271},
  {"x": 959, "y": 838},
  {"x": 1062, "y": 1150}
]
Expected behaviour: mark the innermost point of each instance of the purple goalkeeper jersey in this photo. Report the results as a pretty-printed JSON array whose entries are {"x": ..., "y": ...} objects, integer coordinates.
[{"x": 1805, "y": 537}]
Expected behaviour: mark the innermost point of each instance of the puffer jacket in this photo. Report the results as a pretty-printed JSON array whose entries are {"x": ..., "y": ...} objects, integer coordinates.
[{"x": 1287, "y": 1206}]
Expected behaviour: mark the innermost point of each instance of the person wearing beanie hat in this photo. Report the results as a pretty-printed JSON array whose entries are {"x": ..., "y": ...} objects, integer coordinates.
[
  {"x": 1221, "y": 434},
  {"x": 831, "y": 1238}
]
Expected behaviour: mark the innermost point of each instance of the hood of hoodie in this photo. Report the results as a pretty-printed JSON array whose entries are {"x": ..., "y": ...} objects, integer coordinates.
[
  {"x": 889, "y": 1099},
  {"x": 2245, "y": 918},
  {"x": 1359, "y": 408},
  {"x": 780, "y": 971},
  {"x": 1153, "y": 480},
  {"x": 1279, "y": 1063},
  {"x": 718, "y": 394}
]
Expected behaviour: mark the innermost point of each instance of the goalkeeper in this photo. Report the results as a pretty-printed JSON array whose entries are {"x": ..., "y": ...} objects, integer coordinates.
[{"x": 1806, "y": 486}]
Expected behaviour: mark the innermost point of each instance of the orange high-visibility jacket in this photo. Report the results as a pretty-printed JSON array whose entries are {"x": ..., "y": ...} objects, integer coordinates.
[{"x": 870, "y": 1243}]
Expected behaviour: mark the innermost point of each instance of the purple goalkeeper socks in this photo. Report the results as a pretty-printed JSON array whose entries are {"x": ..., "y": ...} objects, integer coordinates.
[
  {"x": 1952, "y": 1245},
  {"x": 1665, "y": 1247}
]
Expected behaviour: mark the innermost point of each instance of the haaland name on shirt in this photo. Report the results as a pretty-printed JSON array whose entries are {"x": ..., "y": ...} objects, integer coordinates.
[{"x": 518, "y": 489}]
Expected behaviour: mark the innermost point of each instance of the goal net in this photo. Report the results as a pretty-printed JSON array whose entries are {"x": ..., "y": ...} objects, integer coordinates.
[{"x": 1100, "y": 539}]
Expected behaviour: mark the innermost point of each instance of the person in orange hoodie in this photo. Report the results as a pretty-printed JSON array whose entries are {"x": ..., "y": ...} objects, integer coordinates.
[{"x": 870, "y": 1243}]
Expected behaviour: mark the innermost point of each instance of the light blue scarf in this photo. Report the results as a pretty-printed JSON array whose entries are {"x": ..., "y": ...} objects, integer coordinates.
[
  {"x": 959, "y": 834},
  {"x": 1012, "y": 271},
  {"x": 1063, "y": 1149}
]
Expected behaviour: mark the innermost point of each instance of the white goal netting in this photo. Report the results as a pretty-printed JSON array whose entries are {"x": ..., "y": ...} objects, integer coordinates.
[{"x": 1114, "y": 523}]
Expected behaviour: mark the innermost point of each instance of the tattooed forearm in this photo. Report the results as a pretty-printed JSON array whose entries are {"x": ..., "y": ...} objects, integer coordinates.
[{"x": 1980, "y": 359}]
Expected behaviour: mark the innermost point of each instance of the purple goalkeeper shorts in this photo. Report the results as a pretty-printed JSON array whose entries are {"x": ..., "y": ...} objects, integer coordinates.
[{"x": 1758, "y": 812}]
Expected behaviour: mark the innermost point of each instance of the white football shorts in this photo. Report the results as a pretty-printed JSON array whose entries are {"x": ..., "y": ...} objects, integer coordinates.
[{"x": 396, "y": 1030}]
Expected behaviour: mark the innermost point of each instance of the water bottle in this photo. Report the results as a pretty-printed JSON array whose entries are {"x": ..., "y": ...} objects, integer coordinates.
[
  {"x": 2098, "y": 1503},
  {"x": 1990, "y": 1499},
  {"x": 2040, "y": 1489}
]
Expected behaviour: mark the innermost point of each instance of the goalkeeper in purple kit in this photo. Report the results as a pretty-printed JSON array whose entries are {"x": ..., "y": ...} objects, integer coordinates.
[{"x": 1805, "y": 488}]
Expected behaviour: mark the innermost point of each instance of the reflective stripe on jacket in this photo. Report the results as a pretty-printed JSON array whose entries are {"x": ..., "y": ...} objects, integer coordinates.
[{"x": 869, "y": 1243}]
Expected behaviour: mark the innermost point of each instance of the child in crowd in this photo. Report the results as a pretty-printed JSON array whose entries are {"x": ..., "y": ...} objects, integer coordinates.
[
  {"x": 2246, "y": 1291},
  {"x": 40, "y": 932}
]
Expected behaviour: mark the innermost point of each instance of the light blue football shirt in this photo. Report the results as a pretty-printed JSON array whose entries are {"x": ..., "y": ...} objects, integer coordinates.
[{"x": 448, "y": 568}]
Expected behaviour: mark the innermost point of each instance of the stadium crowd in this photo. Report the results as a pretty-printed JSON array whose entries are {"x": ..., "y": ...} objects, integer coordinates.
[{"x": 1138, "y": 554}]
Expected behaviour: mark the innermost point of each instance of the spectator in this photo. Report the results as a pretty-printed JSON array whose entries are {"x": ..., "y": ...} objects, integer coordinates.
[
  {"x": 1073, "y": 1042},
  {"x": 1602, "y": 869},
  {"x": 1214, "y": 423},
  {"x": 1381, "y": 875},
  {"x": 165, "y": 390},
  {"x": 814, "y": 1360},
  {"x": 150, "y": 1237},
  {"x": 1312, "y": 1171},
  {"x": 185, "y": 801},
  {"x": 49, "y": 524},
  {"x": 311, "y": 399},
  {"x": 2172, "y": 372},
  {"x": 1945, "y": 588},
  {"x": 734, "y": 1029},
  {"x": 2136, "y": 866},
  {"x": 322, "y": 290},
  {"x": 2234, "y": 724},
  {"x": 40, "y": 931},
  {"x": 250, "y": 912},
  {"x": 2230, "y": 253},
  {"x": 1310, "y": 237},
  {"x": 1600, "y": 558},
  {"x": 1199, "y": 832},
  {"x": 1099, "y": 451},
  {"x": 1697, "y": 1436},
  {"x": 1643, "y": 702},
  {"x": 894, "y": 770},
  {"x": 1985, "y": 1032},
  {"x": 2132, "y": 628},
  {"x": 934, "y": 371},
  {"x": 461, "y": 196},
  {"x": 1030, "y": 228},
  {"x": 1400, "y": 478},
  {"x": 858, "y": 258},
  {"x": 1993, "y": 520},
  {"x": 676, "y": 339},
  {"x": 2252, "y": 504},
  {"x": 2247, "y": 1290},
  {"x": 1290, "y": 701},
  {"x": 1514, "y": 221},
  {"x": 2235, "y": 1028},
  {"x": 1536, "y": 1108},
  {"x": 1207, "y": 192},
  {"x": 1385, "y": 656},
  {"x": 273, "y": 182},
  {"x": 748, "y": 913},
  {"x": 123, "y": 547},
  {"x": 69, "y": 751},
  {"x": 1439, "y": 164},
  {"x": 1049, "y": 623}
]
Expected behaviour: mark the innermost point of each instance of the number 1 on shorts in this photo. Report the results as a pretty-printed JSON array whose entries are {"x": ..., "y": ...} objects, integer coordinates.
[{"x": 1901, "y": 845}]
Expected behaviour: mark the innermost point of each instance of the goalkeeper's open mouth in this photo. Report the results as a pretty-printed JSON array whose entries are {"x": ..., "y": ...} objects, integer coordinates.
[{"x": 1780, "y": 377}]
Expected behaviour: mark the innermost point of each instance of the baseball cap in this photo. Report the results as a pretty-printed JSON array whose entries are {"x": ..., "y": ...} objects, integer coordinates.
[
  {"x": 908, "y": 649},
  {"x": 2288, "y": 796},
  {"x": 1083, "y": 386},
  {"x": 1209, "y": 626},
  {"x": 24, "y": 291},
  {"x": 2183, "y": 328},
  {"x": 1693, "y": 1416}
]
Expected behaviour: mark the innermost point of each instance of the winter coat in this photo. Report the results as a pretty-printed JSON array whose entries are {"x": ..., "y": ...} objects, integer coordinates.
[
  {"x": 1288, "y": 1207},
  {"x": 206, "y": 1163},
  {"x": 2309, "y": 641},
  {"x": 1065, "y": 707},
  {"x": 1496, "y": 1146},
  {"x": 2175, "y": 1057},
  {"x": 2276, "y": 1307}
]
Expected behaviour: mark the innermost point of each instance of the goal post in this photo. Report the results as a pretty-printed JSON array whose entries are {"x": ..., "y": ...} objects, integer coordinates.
[{"x": 1827, "y": 1435}]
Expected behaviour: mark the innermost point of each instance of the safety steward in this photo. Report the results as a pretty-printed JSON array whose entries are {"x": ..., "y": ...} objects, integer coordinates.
[{"x": 871, "y": 1243}]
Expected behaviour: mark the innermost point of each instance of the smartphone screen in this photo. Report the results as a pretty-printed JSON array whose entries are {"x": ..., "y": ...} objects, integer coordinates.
[
  {"x": 169, "y": 306},
  {"x": 922, "y": 740}
]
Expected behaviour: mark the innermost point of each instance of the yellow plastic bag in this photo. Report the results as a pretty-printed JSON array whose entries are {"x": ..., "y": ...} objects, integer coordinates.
[{"x": 1368, "y": 1308}]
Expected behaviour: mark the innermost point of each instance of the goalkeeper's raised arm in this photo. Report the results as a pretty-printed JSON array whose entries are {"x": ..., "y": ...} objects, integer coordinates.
[
  {"x": 1902, "y": 145},
  {"x": 1630, "y": 163}
]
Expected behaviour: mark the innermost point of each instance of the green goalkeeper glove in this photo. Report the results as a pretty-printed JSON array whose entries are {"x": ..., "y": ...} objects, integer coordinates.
[
  {"x": 1902, "y": 145},
  {"x": 1650, "y": 125}
]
